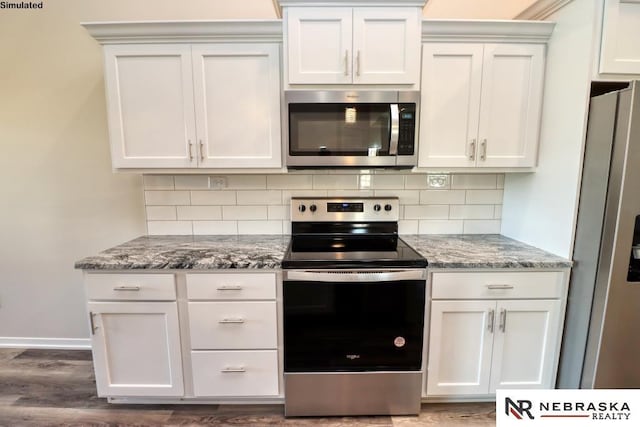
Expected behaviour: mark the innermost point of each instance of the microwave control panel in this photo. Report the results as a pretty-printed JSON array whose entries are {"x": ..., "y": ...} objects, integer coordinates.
[{"x": 407, "y": 126}]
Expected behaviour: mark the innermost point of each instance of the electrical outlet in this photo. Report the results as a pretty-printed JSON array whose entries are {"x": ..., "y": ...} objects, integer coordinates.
[
  {"x": 437, "y": 181},
  {"x": 217, "y": 182}
]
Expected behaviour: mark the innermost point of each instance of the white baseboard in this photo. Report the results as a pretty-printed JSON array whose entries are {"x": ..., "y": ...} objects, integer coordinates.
[{"x": 48, "y": 343}]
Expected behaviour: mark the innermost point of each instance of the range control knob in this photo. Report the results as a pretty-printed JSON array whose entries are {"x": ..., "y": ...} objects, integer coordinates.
[
  {"x": 313, "y": 208},
  {"x": 302, "y": 208},
  {"x": 376, "y": 207},
  {"x": 387, "y": 207}
]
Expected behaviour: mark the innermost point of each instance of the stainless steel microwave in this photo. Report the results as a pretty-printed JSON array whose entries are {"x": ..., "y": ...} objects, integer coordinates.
[{"x": 347, "y": 128}]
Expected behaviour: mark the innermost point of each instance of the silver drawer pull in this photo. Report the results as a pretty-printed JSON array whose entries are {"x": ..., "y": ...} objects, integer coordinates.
[
  {"x": 238, "y": 320},
  {"x": 500, "y": 286},
  {"x": 232, "y": 370},
  {"x": 126, "y": 288},
  {"x": 230, "y": 288}
]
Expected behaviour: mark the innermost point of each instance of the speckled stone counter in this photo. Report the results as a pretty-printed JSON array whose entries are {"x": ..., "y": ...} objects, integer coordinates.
[
  {"x": 481, "y": 251},
  {"x": 191, "y": 252}
]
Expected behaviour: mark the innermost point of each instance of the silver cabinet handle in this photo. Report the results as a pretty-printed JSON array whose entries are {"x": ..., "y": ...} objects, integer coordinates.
[
  {"x": 483, "y": 150},
  {"x": 190, "y": 152},
  {"x": 239, "y": 320},
  {"x": 230, "y": 288},
  {"x": 492, "y": 316},
  {"x": 127, "y": 288},
  {"x": 346, "y": 62},
  {"x": 503, "y": 319},
  {"x": 232, "y": 370},
  {"x": 500, "y": 287},
  {"x": 93, "y": 326},
  {"x": 201, "y": 152},
  {"x": 358, "y": 64},
  {"x": 472, "y": 150}
]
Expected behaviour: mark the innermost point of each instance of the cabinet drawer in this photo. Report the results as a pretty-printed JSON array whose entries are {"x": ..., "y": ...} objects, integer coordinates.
[
  {"x": 136, "y": 287},
  {"x": 233, "y": 325},
  {"x": 497, "y": 285},
  {"x": 229, "y": 286},
  {"x": 235, "y": 373}
]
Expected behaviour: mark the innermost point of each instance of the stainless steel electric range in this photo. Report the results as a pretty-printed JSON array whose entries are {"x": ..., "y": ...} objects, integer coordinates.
[{"x": 354, "y": 296}]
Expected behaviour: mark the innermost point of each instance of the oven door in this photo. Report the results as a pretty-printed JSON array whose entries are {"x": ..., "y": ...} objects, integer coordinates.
[{"x": 353, "y": 321}]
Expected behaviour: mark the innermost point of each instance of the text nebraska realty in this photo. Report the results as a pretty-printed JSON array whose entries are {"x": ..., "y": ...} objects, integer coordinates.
[
  {"x": 598, "y": 410},
  {"x": 21, "y": 5}
]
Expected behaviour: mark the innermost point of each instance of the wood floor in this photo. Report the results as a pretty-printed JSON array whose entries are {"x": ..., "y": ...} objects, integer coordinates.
[{"x": 56, "y": 387}]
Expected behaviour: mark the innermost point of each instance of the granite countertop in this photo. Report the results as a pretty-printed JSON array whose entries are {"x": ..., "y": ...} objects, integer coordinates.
[
  {"x": 266, "y": 252},
  {"x": 481, "y": 251},
  {"x": 191, "y": 252}
]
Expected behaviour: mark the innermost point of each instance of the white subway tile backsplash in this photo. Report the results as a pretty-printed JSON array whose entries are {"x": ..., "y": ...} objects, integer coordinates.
[
  {"x": 335, "y": 182},
  {"x": 213, "y": 197},
  {"x": 169, "y": 227},
  {"x": 215, "y": 227},
  {"x": 246, "y": 182},
  {"x": 264, "y": 197},
  {"x": 260, "y": 227},
  {"x": 239, "y": 213},
  {"x": 199, "y": 212},
  {"x": 289, "y": 182},
  {"x": 473, "y": 181},
  {"x": 164, "y": 198},
  {"x": 415, "y": 182},
  {"x": 260, "y": 204},
  {"x": 282, "y": 212},
  {"x": 158, "y": 182},
  {"x": 440, "y": 227},
  {"x": 161, "y": 213},
  {"x": 484, "y": 197},
  {"x": 471, "y": 212},
  {"x": 481, "y": 226},
  {"x": 191, "y": 182},
  {"x": 426, "y": 212},
  {"x": 442, "y": 197}
]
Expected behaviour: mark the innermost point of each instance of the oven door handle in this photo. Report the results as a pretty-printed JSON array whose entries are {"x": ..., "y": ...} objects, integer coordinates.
[
  {"x": 395, "y": 129},
  {"x": 355, "y": 275}
]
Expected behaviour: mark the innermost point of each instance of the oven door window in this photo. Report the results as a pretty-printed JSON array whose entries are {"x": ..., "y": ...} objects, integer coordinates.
[
  {"x": 361, "y": 326},
  {"x": 339, "y": 129}
]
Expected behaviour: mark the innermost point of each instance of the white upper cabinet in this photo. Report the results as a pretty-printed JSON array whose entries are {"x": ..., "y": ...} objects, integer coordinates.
[
  {"x": 481, "y": 102},
  {"x": 211, "y": 100},
  {"x": 361, "y": 45},
  {"x": 620, "y": 50},
  {"x": 150, "y": 105},
  {"x": 237, "y": 99}
]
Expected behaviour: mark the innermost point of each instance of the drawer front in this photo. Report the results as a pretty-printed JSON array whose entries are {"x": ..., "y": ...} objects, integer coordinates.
[
  {"x": 233, "y": 325},
  {"x": 497, "y": 285},
  {"x": 229, "y": 286},
  {"x": 235, "y": 373},
  {"x": 131, "y": 287}
]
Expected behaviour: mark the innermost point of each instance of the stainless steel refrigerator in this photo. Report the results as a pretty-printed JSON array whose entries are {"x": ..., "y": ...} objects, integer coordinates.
[{"x": 601, "y": 341}]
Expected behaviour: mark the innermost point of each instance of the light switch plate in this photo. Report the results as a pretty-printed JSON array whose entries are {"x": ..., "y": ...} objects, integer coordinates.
[
  {"x": 438, "y": 181},
  {"x": 217, "y": 182}
]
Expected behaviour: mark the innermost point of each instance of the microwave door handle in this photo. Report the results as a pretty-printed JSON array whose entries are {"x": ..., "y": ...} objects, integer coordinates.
[{"x": 395, "y": 130}]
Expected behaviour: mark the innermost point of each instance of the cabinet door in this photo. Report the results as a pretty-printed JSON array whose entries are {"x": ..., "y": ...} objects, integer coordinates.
[
  {"x": 526, "y": 344},
  {"x": 149, "y": 92},
  {"x": 512, "y": 79},
  {"x": 319, "y": 45},
  {"x": 620, "y": 50},
  {"x": 136, "y": 349},
  {"x": 386, "y": 45},
  {"x": 237, "y": 89},
  {"x": 450, "y": 104},
  {"x": 460, "y": 346}
]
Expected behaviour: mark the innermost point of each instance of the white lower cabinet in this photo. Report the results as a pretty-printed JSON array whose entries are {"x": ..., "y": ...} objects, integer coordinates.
[
  {"x": 502, "y": 339},
  {"x": 136, "y": 348}
]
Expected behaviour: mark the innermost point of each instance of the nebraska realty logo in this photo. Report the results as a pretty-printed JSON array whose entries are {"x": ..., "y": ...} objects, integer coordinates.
[{"x": 567, "y": 407}]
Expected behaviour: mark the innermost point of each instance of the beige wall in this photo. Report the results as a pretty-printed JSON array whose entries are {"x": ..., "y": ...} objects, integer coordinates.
[
  {"x": 60, "y": 199},
  {"x": 475, "y": 9}
]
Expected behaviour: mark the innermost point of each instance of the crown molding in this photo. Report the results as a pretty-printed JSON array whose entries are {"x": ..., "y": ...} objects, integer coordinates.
[
  {"x": 186, "y": 31},
  {"x": 542, "y": 9},
  {"x": 351, "y": 3},
  {"x": 486, "y": 31}
]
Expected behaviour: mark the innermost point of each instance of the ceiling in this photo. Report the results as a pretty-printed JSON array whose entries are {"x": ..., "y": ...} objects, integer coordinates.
[{"x": 475, "y": 9}]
